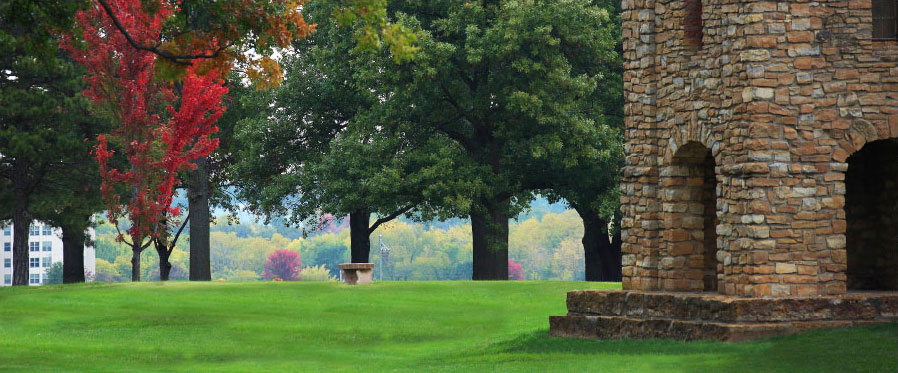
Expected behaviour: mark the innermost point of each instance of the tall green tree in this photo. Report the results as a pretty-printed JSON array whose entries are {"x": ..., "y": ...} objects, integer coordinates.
[
  {"x": 44, "y": 121},
  {"x": 516, "y": 85},
  {"x": 589, "y": 185},
  {"x": 318, "y": 145}
]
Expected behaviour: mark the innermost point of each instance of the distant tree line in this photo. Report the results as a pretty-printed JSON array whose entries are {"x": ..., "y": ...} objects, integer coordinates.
[{"x": 546, "y": 247}]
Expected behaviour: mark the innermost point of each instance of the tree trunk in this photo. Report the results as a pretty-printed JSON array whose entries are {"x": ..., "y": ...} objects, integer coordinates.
[
  {"x": 135, "y": 262},
  {"x": 359, "y": 237},
  {"x": 164, "y": 264},
  {"x": 21, "y": 220},
  {"x": 73, "y": 239},
  {"x": 601, "y": 263},
  {"x": 489, "y": 228},
  {"x": 602, "y": 259},
  {"x": 198, "y": 203}
]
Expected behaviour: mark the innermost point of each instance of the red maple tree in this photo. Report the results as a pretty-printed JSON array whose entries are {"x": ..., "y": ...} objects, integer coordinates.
[
  {"x": 283, "y": 265},
  {"x": 159, "y": 129}
]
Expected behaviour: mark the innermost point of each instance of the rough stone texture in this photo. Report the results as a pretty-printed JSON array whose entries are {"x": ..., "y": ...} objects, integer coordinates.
[
  {"x": 784, "y": 96},
  {"x": 689, "y": 316}
]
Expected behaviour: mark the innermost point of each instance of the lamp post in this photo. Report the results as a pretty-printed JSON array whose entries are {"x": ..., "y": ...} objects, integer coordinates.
[{"x": 384, "y": 255}]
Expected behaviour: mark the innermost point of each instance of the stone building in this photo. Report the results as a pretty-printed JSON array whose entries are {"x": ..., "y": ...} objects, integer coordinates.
[
  {"x": 762, "y": 153},
  {"x": 761, "y": 146}
]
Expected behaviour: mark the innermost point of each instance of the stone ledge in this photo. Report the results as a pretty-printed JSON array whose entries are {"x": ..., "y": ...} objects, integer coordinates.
[
  {"x": 615, "y": 314},
  {"x": 621, "y": 327},
  {"x": 703, "y": 306}
]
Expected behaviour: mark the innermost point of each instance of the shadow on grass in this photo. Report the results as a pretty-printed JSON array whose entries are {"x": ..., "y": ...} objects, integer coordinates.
[
  {"x": 540, "y": 342},
  {"x": 860, "y": 349}
]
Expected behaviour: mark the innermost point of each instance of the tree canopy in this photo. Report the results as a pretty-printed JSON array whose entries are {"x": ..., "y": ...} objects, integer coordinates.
[
  {"x": 522, "y": 87},
  {"x": 317, "y": 144}
]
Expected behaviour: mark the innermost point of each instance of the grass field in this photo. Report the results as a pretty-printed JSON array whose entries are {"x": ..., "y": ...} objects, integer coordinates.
[{"x": 399, "y": 326}]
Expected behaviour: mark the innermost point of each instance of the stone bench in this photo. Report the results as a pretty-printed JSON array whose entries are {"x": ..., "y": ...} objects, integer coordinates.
[{"x": 357, "y": 273}]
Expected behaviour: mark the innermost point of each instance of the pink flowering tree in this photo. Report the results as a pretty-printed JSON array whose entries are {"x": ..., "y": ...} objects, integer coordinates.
[{"x": 282, "y": 264}]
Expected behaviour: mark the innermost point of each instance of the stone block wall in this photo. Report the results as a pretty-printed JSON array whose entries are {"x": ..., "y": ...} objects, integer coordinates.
[{"x": 780, "y": 94}]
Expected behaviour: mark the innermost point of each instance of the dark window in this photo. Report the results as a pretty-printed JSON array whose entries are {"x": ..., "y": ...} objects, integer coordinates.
[
  {"x": 885, "y": 19},
  {"x": 692, "y": 23}
]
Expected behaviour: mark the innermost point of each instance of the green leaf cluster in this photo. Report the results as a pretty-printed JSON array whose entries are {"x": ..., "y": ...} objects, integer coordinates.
[
  {"x": 319, "y": 144},
  {"x": 531, "y": 90}
]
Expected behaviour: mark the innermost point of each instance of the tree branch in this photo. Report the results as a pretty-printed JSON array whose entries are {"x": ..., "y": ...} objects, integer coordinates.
[
  {"x": 392, "y": 216},
  {"x": 472, "y": 85},
  {"x": 177, "y": 235},
  {"x": 119, "y": 234},
  {"x": 180, "y": 59},
  {"x": 465, "y": 141},
  {"x": 456, "y": 105}
]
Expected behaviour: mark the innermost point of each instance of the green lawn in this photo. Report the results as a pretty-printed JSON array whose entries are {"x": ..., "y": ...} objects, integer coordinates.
[{"x": 398, "y": 326}]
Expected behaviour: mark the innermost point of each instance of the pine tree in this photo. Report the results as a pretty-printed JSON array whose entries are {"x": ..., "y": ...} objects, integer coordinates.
[{"x": 45, "y": 126}]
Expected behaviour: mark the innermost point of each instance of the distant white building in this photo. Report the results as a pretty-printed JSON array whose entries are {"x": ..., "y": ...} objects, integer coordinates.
[{"x": 44, "y": 249}]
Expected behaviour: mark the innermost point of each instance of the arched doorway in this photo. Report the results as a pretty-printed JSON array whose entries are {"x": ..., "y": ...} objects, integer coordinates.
[
  {"x": 690, "y": 262},
  {"x": 871, "y": 213}
]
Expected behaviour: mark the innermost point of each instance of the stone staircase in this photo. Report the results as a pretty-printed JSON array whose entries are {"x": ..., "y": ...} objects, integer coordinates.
[{"x": 604, "y": 314}]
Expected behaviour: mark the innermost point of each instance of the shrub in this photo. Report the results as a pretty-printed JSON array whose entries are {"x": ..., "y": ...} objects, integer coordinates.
[
  {"x": 282, "y": 264},
  {"x": 316, "y": 273},
  {"x": 54, "y": 274},
  {"x": 106, "y": 272},
  {"x": 515, "y": 270}
]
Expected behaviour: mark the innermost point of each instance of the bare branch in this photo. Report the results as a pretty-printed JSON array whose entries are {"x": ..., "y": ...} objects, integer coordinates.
[{"x": 177, "y": 235}]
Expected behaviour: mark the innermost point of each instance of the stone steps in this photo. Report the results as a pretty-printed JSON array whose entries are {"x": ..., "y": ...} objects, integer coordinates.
[
  {"x": 606, "y": 314},
  {"x": 623, "y": 327}
]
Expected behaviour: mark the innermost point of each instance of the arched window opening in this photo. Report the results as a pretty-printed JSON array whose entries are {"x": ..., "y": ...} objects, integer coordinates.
[
  {"x": 690, "y": 261},
  {"x": 871, "y": 213}
]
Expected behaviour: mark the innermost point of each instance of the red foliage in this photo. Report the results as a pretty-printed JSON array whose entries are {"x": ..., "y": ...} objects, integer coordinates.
[
  {"x": 158, "y": 135},
  {"x": 282, "y": 265},
  {"x": 515, "y": 270}
]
